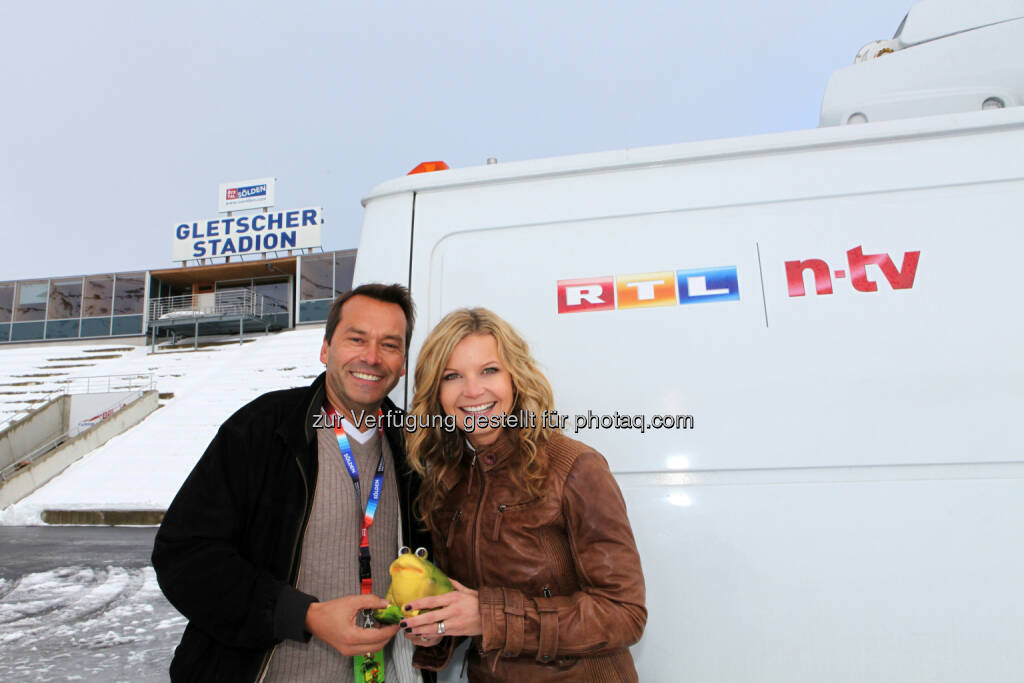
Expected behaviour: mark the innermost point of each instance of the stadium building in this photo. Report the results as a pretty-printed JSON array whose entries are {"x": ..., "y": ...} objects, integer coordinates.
[{"x": 238, "y": 273}]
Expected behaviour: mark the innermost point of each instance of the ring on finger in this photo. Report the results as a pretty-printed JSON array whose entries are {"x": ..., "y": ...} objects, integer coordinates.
[{"x": 440, "y": 628}]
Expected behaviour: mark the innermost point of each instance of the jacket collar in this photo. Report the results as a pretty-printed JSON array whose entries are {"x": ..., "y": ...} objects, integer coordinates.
[
  {"x": 301, "y": 433},
  {"x": 487, "y": 458},
  {"x": 297, "y": 429},
  {"x": 315, "y": 399},
  {"x": 498, "y": 453}
]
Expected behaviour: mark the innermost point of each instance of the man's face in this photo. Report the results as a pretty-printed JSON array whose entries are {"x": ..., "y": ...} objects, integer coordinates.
[{"x": 366, "y": 356}]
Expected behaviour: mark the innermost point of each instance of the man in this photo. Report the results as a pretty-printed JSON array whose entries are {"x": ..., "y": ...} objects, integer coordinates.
[{"x": 260, "y": 548}]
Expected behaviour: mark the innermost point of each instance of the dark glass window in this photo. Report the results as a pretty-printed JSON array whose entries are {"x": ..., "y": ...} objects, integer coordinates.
[
  {"x": 95, "y": 327},
  {"x": 97, "y": 297},
  {"x": 314, "y": 311},
  {"x": 129, "y": 291},
  {"x": 6, "y": 303},
  {"x": 127, "y": 324},
  {"x": 344, "y": 267},
  {"x": 65, "y": 300},
  {"x": 61, "y": 329},
  {"x": 31, "y": 302},
  {"x": 275, "y": 296},
  {"x": 317, "y": 277},
  {"x": 232, "y": 284},
  {"x": 27, "y": 331}
]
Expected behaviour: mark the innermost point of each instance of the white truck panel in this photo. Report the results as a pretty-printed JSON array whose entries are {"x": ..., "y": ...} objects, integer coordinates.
[
  {"x": 939, "y": 18},
  {"x": 387, "y": 231},
  {"x": 849, "y": 502},
  {"x": 955, "y": 74}
]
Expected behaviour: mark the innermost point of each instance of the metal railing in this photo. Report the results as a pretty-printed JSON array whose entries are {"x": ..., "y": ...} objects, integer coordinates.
[
  {"x": 225, "y": 302},
  {"x": 86, "y": 385}
]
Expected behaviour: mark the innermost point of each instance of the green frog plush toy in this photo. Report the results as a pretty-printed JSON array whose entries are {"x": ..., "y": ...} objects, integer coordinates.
[{"x": 413, "y": 577}]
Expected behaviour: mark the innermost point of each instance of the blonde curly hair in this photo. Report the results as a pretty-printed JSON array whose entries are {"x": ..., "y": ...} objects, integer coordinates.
[{"x": 433, "y": 451}]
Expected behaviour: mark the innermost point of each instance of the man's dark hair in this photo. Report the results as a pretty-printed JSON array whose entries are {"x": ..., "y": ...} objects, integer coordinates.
[{"x": 389, "y": 294}]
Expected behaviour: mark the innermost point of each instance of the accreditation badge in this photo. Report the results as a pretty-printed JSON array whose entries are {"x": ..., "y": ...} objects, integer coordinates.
[{"x": 369, "y": 669}]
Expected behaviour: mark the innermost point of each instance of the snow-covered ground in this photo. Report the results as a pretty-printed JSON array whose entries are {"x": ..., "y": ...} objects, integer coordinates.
[
  {"x": 144, "y": 467},
  {"x": 83, "y": 604},
  {"x": 86, "y": 623}
]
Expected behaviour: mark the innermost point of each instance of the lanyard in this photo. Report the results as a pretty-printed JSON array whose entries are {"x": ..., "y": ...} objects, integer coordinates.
[{"x": 368, "y": 669}]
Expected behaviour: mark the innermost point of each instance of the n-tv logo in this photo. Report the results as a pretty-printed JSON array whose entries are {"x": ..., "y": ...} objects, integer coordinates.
[
  {"x": 898, "y": 278},
  {"x": 646, "y": 290}
]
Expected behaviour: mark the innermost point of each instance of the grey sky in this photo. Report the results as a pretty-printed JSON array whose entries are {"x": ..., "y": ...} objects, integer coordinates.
[{"x": 119, "y": 119}]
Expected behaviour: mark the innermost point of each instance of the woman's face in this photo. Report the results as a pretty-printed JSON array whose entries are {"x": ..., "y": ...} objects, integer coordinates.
[{"x": 476, "y": 386}]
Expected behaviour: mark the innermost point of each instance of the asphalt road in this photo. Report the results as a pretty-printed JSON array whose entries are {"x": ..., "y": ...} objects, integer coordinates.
[{"x": 82, "y": 603}]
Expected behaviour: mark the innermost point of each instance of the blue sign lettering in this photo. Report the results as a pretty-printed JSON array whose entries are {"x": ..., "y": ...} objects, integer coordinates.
[{"x": 266, "y": 232}]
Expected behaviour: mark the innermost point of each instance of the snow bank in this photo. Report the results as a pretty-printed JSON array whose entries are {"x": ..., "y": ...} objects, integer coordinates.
[{"x": 145, "y": 466}]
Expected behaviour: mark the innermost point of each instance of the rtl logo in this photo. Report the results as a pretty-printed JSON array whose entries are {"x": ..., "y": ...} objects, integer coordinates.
[
  {"x": 645, "y": 290},
  {"x": 899, "y": 278}
]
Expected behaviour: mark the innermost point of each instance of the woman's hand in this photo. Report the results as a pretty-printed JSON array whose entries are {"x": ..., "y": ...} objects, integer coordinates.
[
  {"x": 422, "y": 641},
  {"x": 459, "y": 610}
]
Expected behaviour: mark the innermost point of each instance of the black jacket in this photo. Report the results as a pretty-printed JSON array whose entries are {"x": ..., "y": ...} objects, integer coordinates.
[{"x": 227, "y": 553}]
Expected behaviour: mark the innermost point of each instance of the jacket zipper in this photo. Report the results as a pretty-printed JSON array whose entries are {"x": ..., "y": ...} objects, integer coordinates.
[
  {"x": 265, "y": 666},
  {"x": 451, "y": 528},
  {"x": 476, "y": 525},
  {"x": 501, "y": 510},
  {"x": 476, "y": 532}
]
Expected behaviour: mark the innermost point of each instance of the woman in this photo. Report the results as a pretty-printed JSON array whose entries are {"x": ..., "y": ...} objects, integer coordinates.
[{"x": 528, "y": 523}]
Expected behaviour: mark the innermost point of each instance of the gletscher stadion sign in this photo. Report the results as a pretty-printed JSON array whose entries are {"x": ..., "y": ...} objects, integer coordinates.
[{"x": 256, "y": 233}]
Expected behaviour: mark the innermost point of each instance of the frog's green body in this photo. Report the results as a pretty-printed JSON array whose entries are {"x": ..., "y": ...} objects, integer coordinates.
[{"x": 413, "y": 577}]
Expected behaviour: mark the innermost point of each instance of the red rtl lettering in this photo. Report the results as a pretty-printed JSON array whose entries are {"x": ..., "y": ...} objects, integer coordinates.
[
  {"x": 795, "y": 276},
  {"x": 898, "y": 279}
]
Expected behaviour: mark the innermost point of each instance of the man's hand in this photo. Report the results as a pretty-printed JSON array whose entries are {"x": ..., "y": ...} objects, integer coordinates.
[{"x": 334, "y": 622}]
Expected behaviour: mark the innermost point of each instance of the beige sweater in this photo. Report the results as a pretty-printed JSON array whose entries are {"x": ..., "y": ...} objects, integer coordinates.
[{"x": 329, "y": 566}]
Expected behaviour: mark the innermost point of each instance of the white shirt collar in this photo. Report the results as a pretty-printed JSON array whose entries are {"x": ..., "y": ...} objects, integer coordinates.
[{"x": 353, "y": 433}]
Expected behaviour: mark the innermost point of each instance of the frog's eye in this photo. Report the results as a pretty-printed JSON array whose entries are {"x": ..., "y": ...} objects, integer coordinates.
[
  {"x": 421, "y": 553},
  {"x": 404, "y": 550}
]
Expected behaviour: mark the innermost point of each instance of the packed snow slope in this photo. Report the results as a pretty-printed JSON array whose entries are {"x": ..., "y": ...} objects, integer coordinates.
[{"x": 144, "y": 467}]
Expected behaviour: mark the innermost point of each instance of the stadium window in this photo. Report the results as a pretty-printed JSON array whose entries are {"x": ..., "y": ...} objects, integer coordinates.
[
  {"x": 344, "y": 268},
  {"x": 95, "y": 327},
  {"x": 31, "y": 301},
  {"x": 6, "y": 303},
  {"x": 65, "y": 300},
  {"x": 317, "y": 277},
  {"x": 129, "y": 291},
  {"x": 275, "y": 295},
  {"x": 233, "y": 284},
  {"x": 97, "y": 296}
]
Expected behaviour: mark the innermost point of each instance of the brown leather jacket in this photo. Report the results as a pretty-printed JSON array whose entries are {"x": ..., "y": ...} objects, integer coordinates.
[{"x": 560, "y": 585}]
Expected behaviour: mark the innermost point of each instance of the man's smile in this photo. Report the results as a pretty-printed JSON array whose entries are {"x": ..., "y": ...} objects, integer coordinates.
[{"x": 367, "y": 377}]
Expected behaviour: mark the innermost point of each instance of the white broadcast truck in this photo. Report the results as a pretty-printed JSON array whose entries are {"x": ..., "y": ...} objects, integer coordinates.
[{"x": 838, "y": 311}]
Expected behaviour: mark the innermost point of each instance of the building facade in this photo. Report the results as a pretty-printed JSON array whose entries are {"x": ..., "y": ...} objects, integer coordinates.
[{"x": 294, "y": 290}]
